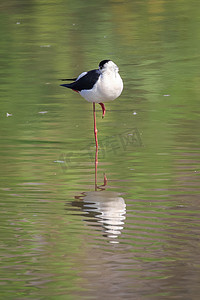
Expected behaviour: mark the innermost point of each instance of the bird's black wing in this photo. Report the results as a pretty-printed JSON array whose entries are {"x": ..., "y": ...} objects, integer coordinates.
[
  {"x": 86, "y": 82},
  {"x": 68, "y": 79}
]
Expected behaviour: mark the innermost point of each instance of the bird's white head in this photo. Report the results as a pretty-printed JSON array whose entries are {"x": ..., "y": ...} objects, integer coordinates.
[{"x": 108, "y": 66}]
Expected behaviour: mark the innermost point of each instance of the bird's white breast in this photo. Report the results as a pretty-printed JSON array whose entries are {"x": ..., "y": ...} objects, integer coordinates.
[{"x": 108, "y": 87}]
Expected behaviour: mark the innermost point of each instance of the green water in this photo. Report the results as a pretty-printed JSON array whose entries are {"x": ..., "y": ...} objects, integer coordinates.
[{"x": 138, "y": 236}]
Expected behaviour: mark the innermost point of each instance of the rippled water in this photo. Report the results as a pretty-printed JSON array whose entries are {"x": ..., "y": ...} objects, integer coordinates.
[{"x": 137, "y": 236}]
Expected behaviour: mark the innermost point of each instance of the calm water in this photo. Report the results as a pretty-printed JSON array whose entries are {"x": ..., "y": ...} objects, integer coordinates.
[{"x": 138, "y": 236}]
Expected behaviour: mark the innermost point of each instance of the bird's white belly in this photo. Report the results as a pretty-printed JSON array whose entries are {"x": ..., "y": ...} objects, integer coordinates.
[{"x": 108, "y": 88}]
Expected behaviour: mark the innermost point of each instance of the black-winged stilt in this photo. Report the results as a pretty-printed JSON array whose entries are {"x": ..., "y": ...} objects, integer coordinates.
[{"x": 98, "y": 86}]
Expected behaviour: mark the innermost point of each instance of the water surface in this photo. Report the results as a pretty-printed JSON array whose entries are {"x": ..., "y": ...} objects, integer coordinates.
[{"x": 137, "y": 236}]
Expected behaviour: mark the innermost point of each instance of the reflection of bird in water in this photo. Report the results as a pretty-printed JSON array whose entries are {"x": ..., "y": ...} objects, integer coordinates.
[
  {"x": 98, "y": 86},
  {"x": 107, "y": 208}
]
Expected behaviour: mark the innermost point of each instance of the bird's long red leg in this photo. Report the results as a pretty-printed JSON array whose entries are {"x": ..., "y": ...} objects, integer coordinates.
[
  {"x": 95, "y": 127},
  {"x": 103, "y": 109}
]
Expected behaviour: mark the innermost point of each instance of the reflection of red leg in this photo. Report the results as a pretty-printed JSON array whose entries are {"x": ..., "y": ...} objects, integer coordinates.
[
  {"x": 103, "y": 186},
  {"x": 96, "y": 162},
  {"x": 100, "y": 187},
  {"x": 105, "y": 180},
  {"x": 103, "y": 109},
  {"x": 95, "y": 127}
]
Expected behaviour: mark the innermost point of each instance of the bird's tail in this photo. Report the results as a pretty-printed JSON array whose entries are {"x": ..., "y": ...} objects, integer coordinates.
[
  {"x": 66, "y": 85},
  {"x": 70, "y": 86}
]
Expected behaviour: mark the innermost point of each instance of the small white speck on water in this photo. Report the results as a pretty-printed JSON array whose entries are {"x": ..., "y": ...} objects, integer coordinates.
[
  {"x": 134, "y": 113},
  {"x": 45, "y": 46},
  {"x": 18, "y": 23},
  {"x": 167, "y": 95},
  {"x": 8, "y": 115},
  {"x": 43, "y": 112}
]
